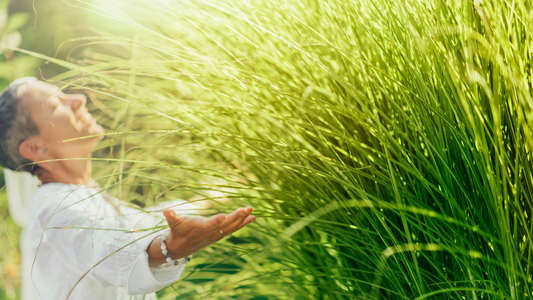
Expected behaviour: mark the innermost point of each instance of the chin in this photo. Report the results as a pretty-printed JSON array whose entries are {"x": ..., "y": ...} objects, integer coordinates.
[
  {"x": 97, "y": 129},
  {"x": 100, "y": 129}
]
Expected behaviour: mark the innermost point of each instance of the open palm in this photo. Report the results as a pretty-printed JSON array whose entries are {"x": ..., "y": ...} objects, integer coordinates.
[{"x": 189, "y": 234}]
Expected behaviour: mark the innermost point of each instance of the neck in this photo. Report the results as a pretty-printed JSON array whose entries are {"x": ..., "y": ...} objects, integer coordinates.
[{"x": 66, "y": 170}]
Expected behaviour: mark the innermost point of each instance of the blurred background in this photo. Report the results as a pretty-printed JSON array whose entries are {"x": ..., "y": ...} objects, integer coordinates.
[{"x": 15, "y": 19}]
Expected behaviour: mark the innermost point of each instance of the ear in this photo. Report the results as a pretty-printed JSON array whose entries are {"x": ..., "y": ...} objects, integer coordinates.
[{"x": 30, "y": 149}]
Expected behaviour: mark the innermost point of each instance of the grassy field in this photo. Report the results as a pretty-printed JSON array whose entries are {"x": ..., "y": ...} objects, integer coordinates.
[{"x": 385, "y": 145}]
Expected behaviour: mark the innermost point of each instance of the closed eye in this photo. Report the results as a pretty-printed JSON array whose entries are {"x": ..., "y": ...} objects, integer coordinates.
[{"x": 53, "y": 103}]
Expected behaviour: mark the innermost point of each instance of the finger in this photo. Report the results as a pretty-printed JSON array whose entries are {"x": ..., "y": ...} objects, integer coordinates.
[
  {"x": 237, "y": 216},
  {"x": 232, "y": 218},
  {"x": 215, "y": 221},
  {"x": 217, "y": 236},
  {"x": 235, "y": 226},
  {"x": 247, "y": 221},
  {"x": 173, "y": 219}
]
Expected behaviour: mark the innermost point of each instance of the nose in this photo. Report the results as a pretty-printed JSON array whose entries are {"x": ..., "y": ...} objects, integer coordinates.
[{"x": 77, "y": 101}]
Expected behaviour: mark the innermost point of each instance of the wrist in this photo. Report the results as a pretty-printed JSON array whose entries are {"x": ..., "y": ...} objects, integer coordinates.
[{"x": 164, "y": 250}]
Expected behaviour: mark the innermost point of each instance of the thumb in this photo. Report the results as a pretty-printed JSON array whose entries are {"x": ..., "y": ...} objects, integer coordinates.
[{"x": 173, "y": 219}]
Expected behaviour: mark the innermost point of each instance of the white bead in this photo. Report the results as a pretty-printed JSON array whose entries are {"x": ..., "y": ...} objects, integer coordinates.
[{"x": 164, "y": 250}]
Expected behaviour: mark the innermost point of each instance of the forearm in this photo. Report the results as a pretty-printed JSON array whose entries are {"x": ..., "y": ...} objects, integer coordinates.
[
  {"x": 181, "y": 250},
  {"x": 155, "y": 254}
]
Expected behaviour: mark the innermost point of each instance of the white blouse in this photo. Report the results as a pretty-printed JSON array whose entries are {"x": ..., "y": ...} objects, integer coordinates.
[{"x": 87, "y": 245}]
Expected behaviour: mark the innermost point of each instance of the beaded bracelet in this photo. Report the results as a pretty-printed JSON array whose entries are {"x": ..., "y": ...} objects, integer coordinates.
[{"x": 177, "y": 262}]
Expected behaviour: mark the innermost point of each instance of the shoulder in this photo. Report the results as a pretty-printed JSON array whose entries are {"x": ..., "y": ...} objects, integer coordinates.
[
  {"x": 52, "y": 193},
  {"x": 49, "y": 188},
  {"x": 60, "y": 199}
]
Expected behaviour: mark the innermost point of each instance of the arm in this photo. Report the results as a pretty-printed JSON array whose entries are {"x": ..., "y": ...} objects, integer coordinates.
[
  {"x": 92, "y": 244},
  {"x": 87, "y": 245},
  {"x": 142, "y": 278}
]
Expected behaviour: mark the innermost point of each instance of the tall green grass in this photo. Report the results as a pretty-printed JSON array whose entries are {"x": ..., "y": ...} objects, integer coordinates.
[{"x": 385, "y": 145}]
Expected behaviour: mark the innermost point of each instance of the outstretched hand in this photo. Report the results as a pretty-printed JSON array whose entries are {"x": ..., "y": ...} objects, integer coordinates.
[{"x": 189, "y": 234}]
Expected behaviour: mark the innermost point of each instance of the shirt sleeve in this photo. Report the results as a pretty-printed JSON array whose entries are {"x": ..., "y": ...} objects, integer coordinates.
[
  {"x": 142, "y": 278},
  {"x": 98, "y": 246}
]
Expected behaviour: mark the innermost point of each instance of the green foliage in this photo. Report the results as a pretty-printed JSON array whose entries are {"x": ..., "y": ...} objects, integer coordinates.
[
  {"x": 9, "y": 253},
  {"x": 12, "y": 66},
  {"x": 385, "y": 145}
]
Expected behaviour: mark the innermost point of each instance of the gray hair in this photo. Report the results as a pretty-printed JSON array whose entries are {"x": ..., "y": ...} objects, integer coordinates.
[{"x": 16, "y": 125}]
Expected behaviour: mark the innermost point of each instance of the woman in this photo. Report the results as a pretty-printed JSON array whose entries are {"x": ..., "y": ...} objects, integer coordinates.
[{"x": 86, "y": 244}]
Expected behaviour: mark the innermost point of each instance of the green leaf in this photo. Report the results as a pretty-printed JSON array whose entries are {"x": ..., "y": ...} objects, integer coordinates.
[{"x": 16, "y": 21}]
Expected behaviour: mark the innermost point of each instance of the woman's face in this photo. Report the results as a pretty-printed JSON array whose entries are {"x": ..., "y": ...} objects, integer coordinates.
[{"x": 61, "y": 117}]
